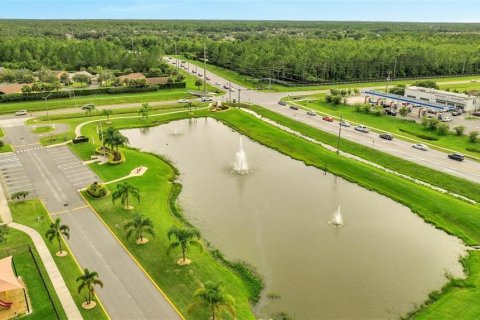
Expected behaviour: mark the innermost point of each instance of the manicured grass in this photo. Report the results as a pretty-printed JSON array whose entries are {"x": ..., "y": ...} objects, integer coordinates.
[
  {"x": 27, "y": 213},
  {"x": 395, "y": 125},
  {"x": 17, "y": 245},
  {"x": 43, "y": 129},
  {"x": 98, "y": 99},
  {"x": 2, "y": 133},
  {"x": 6, "y": 148},
  {"x": 443, "y": 180}
]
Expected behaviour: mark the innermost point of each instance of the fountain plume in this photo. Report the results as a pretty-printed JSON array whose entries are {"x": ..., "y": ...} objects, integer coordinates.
[
  {"x": 240, "y": 165},
  {"x": 337, "y": 220}
]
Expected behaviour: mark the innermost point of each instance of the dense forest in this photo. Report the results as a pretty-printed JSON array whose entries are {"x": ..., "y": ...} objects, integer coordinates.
[{"x": 290, "y": 52}]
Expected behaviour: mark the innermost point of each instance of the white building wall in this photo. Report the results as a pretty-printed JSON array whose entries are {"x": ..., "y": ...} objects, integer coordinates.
[{"x": 463, "y": 101}]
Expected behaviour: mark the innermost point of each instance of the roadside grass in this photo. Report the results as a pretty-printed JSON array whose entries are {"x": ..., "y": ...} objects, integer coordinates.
[
  {"x": 43, "y": 129},
  {"x": 32, "y": 213},
  {"x": 2, "y": 133},
  {"x": 395, "y": 125},
  {"x": 443, "y": 180},
  {"x": 17, "y": 246},
  {"x": 6, "y": 147},
  {"x": 98, "y": 100},
  {"x": 179, "y": 283}
]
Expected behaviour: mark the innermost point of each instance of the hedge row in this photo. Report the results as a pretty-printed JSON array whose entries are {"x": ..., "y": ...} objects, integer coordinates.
[{"x": 16, "y": 97}]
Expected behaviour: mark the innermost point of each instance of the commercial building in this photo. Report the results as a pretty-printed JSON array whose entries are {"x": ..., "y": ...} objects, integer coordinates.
[{"x": 459, "y": 101}]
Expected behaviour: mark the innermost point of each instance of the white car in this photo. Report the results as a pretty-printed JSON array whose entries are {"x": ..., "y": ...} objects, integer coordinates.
[
  {"x": 420, "y": 146},
  {"x": 311, "y": 113},
  {"x": 21, "y": 113},
  {"x": 183, "y": 101},
  {"x": 362, "y": 129},
  {"x": 232, "y": 90},
  {"x": 204, "y": 99},
  {"x": 345, "y": 124}
]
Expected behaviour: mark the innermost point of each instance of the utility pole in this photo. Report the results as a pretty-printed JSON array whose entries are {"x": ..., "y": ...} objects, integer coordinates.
[
  {"x": 464, "y": 63},
  {"x": 239, "y": 90},
  {"x": 270, "y": 80},
  {"x": 388, "y": 79},
  {"x": 394, "y": 68},
  {"x": 229, "y": 92},
  {"x": 176, "y": 56},
  {"x": 339, "y": 133},
  {"x": 204, "y": 68}
]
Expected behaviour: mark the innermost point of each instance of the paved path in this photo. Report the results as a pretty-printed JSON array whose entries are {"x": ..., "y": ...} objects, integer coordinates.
[{"x": 71, "y": 309}]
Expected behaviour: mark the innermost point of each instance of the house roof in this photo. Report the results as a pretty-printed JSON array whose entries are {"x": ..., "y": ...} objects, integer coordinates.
[
  {"x": 130, "y": 76},
  {"x": 7, "y": 88},
  {"x": 157, "y": 80},
  {"x": 8, "y": 279}
]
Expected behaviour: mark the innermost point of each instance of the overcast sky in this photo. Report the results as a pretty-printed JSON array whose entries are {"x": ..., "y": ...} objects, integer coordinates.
[{"x": 371, "y": 10}]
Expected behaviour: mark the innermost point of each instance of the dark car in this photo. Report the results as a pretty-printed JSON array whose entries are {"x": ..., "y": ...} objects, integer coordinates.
[
  {"x": 294, "y": 107},
  {"x": 386, "y": 136},
  {"x": 79, "y": 139},
  {"x": 456, "y": 156},
  {"x": 282, "y": 103},
  {"x": 390, "y": 112},
  {"x": 476, "y": 114}
]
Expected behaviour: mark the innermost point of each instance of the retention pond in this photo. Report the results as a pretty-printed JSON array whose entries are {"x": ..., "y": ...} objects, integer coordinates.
[{"x": 381, "y": 262}]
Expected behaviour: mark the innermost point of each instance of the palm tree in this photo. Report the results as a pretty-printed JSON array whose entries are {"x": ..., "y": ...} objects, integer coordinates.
[
  {"x": 185, "y": 237},
  {"x": 114, "y": 139},
  {"x": 138, "y": 226},
  {"x": 144, "y": 110},
  {"x": 212, "y": 297},
  {"x": 20, "y": 194},
  {"x": 107, "y": 113},
  {"x": 56, "y": 231},
  {"x": 123, "y": 192},
  {"x": 88, "y": 281}
]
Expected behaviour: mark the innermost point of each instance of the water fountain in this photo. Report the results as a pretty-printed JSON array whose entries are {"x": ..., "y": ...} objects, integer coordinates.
[
  {"x": 337, "y": 220},
  {"x": 240, "y": 165}
]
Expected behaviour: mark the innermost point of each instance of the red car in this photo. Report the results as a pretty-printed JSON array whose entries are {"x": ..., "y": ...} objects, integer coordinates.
[{"x": 328, "y": 118}]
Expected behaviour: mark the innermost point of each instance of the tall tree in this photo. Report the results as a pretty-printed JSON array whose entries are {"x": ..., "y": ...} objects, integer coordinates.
[
  {"x": 124, "y": 192},
  {"x": 56, "y": 231},
  {"x": 212, "y": 297},
  {"x": 184, "y": 238},
  {"x": 88, "y": 281},
  {"x": 138, "y": 226}
]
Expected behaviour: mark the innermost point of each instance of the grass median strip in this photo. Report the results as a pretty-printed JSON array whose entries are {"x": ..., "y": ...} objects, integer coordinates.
[{"x": 32, "y": 213}]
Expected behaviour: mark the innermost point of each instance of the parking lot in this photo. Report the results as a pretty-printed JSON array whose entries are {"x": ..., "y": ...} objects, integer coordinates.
[
  {"x": 72, "y": 167},
  {"x": 14, "y": 177}
]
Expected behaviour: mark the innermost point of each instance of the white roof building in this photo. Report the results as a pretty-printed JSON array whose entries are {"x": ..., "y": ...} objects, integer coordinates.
[{"x": 451, "y": 99}]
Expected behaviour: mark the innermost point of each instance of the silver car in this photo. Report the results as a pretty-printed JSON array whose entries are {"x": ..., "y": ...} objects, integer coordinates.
[{"x": 420, "y": 146}]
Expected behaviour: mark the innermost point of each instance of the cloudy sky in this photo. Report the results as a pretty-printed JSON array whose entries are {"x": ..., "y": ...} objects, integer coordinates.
[{"x": 371, "y": 10}]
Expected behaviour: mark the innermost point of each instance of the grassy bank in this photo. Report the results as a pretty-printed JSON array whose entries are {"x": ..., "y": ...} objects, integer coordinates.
[
  {"x": 17, "y": 246},
  {"x": 396, "y": 125},
  {"x": 32, "y": 213}
]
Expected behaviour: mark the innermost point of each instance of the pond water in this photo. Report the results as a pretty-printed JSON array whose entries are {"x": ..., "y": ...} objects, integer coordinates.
[{"x": 381, "y": 263}]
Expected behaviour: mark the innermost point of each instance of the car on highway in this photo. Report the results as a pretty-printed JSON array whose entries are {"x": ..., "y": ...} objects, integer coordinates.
[
  {"x": 294, "y": 107},
  {"x": 327, "y": 118},
  {"x": 344, "y": 123},
  {"x": 183, "y": 101},
  {"x": 79, "y": 139},
  {"x": 193, "y": 71},
  {"x": 207, "y": 78},
  {"x": 420, "y": 146},
  {"x": 311, "y": 113},
  {"x": 21, "y": 113},
  {"x": 282, "y": 103},
  {"x": 386, "y": 136},
  {"x": 232, "y": 90},
  {"x": 456, "y": 156},
  {"x": 226, "y": 86},
  {"x": 362, "y": 128},
  {"x": 217, "y": 84},
  {"x": 204, "y": 99}
]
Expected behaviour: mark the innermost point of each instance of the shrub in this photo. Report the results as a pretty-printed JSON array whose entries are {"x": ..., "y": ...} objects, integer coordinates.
[
  {"x": 358, "y": 107},
  {"x": 377, "y": 110},
  {"x": 2, "y": 143},
  {"x": 121, "y": 158},
  {"x": 97, "y": 190},
  {"x": 459, "y": 130},
  {"x": 473, "y": 136},
  {"x": 336, "y": 99},
  {"x": 403, "y": 111},
  {"x": 419, "y": 135},
  {"x": 442, "y": 129},
  {"x": 430, "y": 123},
  {"x": 366, "y": 108}
]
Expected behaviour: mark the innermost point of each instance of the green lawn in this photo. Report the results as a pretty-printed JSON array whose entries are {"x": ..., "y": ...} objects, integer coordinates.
[
  {"x": 27, "y": 213},
  {"x": 17, "y": 245},
  {"x": 6, "y": 147},
  {"x": 43, "y": 129},
  {"x": 397, "y": 126}
]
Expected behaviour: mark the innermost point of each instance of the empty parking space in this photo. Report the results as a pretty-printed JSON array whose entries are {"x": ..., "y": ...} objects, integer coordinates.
[
  {"x": 72, "y": 167},
  {"x": 13, "y": 176}
]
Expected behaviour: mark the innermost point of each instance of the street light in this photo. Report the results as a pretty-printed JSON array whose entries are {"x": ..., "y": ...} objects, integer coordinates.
[
  {"x": 46, "y": 109},
  {"x": 339, "y": 133}
]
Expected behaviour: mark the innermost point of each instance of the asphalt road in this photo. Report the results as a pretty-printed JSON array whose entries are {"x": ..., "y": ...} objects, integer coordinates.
[
  {"x": 438, "y": 160},
  {"x": 56, "y": 174}
]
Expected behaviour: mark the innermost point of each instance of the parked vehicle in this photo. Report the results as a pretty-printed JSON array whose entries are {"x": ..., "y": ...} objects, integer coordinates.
[
  {"x": 204, "y": 99},
  {"x": 431, "y": 111},
  {"x": 327, "y": 118},
  {"x": 456, "y": 113},
  {"x": 311, "y": 113},
  {"x": 456, "y": 156},
  {"x": 476, "y": 114},
  {"x": 362, "y": 129},
  {"x": 386, "y": 136},
  {"x": 232, "y": 90},
  {"x": 183, "y": 101},
  {"x": 390, "y": 112},
  {"x": 420, "y": 146},
  {"x": 21, "y": 113},
  {"x": 294, "y": 107},
  {"x": 344, "y": 123},
  {"x": 444, "y": 118},
  {"x": 79, "y": 139}
]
